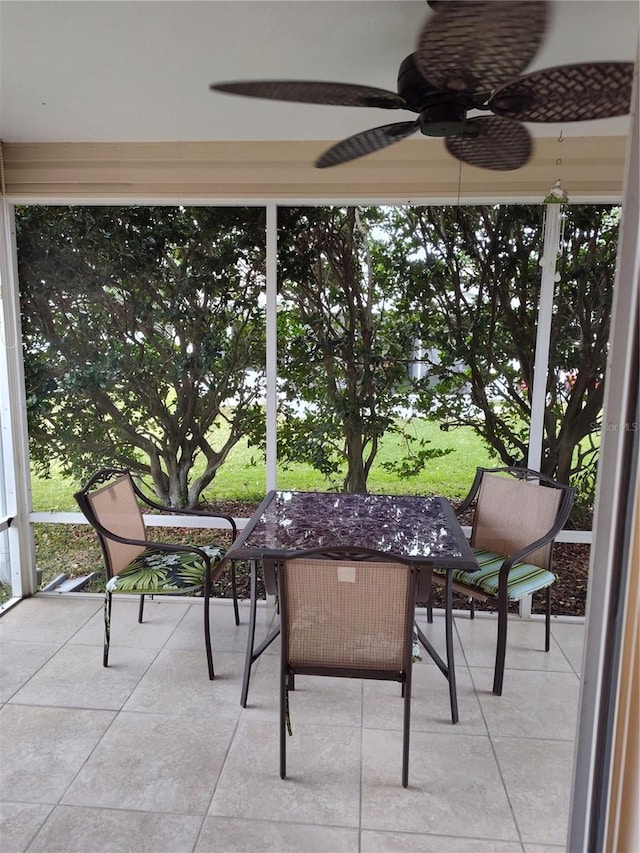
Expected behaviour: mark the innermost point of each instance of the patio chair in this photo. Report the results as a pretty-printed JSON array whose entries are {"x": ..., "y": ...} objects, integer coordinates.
[
  {"x": 136, "y": 565},
  {"x": 346, "y": 613},
  {"x": 518, "y": 514}
]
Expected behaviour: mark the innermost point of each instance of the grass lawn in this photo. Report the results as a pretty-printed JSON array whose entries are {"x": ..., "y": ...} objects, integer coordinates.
[
  {"x": 73, "y": 549},
  {"x": 242, "y": 477}
]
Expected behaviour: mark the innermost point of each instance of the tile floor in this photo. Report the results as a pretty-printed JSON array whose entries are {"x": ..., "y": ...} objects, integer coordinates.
[{"x": 149, "y": 755}]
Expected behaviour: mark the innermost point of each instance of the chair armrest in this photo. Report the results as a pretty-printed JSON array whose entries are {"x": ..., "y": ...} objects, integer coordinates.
[
  {"x": 473, "y": 491},
  {"x": 148, "y": 543},
  {"x": 104, "y": 474},
  {"x": 198, "y": 512},
  {"x": 183, "y": 511},
  {"x": 162, "y": 546}
]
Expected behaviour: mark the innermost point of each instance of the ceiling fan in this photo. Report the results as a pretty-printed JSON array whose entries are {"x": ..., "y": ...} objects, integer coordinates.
[{"x": 469, "y": 58}]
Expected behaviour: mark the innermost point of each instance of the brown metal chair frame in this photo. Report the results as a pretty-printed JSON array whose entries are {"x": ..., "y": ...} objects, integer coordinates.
[
  {"x": 282, "y": 568},
  {"x": 564, "y": 509},
  {"x": 102, "y": 478}
]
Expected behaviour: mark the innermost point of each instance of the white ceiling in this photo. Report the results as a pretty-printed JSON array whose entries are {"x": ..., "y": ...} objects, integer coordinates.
[{"x": 139, "y": 70}]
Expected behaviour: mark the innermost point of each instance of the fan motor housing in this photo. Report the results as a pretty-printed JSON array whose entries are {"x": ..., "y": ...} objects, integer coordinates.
[
  {"x": 443, "y": 120},
  {"x": 442, "y": 112}
]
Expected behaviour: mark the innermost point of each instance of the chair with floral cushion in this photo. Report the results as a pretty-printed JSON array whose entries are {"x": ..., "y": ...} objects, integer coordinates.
[
  {"x": 518, "y": 514},
  {"x": 136, "y": 565}
]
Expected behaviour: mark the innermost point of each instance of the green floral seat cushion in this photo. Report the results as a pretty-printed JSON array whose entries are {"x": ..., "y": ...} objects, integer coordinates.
[
  {"x": 156, "y": 572},
  {"x": 524, "y": 578}
]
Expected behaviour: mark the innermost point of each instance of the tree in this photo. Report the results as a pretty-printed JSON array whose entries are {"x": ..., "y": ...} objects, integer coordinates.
[
  {"x": 475, "y": 272},
  {"x": 344, "y": 347},
  {"x": 143, "y": 338}
]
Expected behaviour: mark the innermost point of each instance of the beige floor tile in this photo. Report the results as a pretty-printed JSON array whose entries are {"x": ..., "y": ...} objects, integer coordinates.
[
  {"x": 454, "y": 787},
  {"x": 79, "y": 830},
  {"x": 430, "y": 706},
  {"x": 533, "y": 704},
  {"x": 19, "y": 822},
  {"x": 317, "y": 701},
  {"x": 76, "y": 678},
  {"x": 233, "y": 638},
  {"x": 525, "y": 645},
  {"x": 537, "y": 774},
  {"x": 404, "y": 842},
  {"x": 46, "y": 619},
  {"x": 155, "y": 763},
  {"x": 160, "y": 620},
  {"x": 326, "y": 701},
  {"x": 226, "y": 635},
  {"x": 262, "y": 699},
  {"x": 267, "y": 621},
  {"x": 273, "y": 649},
  {"x": 323, "y": 776},
  {"x": 185, "y": 763},
  {"x": 177, "y": 683},
  {"x": 435, "y": 633},
  {"x": 44, "y": 748},
  {"x": 247, "y": 836},
  {"x": 570, "y": 637},
  {"x": 544, "y": 848},
  {"x": 19, "y": 661}
]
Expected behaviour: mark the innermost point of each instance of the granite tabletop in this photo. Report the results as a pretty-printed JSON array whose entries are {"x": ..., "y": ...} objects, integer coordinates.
[{"x": 412, "y": 526}]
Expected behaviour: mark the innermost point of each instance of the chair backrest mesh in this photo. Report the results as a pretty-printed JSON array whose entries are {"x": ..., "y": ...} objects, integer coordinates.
[
  {"x": 116, "y": 508},
  {"x": 511, "y": 513},
  {"x": 347, "y": 614}
]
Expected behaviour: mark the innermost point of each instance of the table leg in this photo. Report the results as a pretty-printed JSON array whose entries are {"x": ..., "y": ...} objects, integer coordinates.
[
  {"x": 448, "y": 668},
  {"x": 451, "y": 668},
  {"x": 253, "y": 653},
  {"x": 252, "y": 633}
]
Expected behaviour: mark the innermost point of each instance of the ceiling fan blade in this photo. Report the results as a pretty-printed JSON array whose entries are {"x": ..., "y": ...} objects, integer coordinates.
[
  {"x": 581, "y": 92},
  {"x": 475, "y": 46},
  {"x": 366, "y": 142},
  {"x": 313, "y": 92},
  {"x": 492, "y": 142}
]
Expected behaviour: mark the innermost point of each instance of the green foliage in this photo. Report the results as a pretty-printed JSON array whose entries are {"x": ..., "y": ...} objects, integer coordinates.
[
  {"x": 473, "y": 278},
  {"x": 416, "y": 459},
  {"x": 74, "y": 549},
  {"x": 138, "y": 325},
  {"x": 242, "y": 479},
  {"x": 145, "y": 340},
  {"x": 346, "y": 346}
]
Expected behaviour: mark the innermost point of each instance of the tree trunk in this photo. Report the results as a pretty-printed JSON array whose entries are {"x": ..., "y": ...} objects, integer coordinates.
[{"x": 356, "y": 479}]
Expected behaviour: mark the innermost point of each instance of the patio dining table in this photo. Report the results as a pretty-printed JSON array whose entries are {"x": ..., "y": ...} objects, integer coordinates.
[{"x": 422, "y": 529}]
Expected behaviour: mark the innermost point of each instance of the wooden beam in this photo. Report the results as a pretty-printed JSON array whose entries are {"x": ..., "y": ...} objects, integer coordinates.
[{"x": 591, "y": 168}]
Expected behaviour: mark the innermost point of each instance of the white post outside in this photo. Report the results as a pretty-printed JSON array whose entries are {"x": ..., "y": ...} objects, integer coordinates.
[
  {"x": 543, "y": 337},
  {"x": 272, "y": 345},
  {"x": 13, "y": 418}
]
